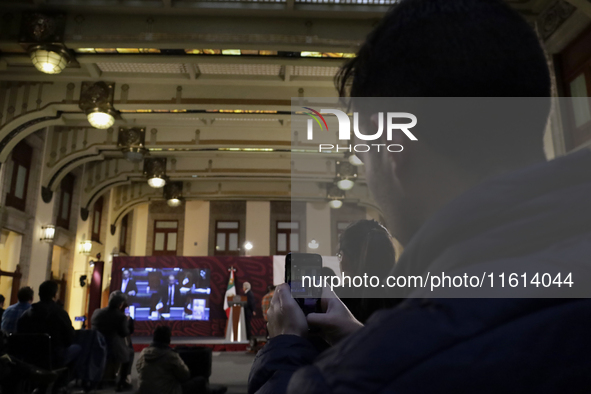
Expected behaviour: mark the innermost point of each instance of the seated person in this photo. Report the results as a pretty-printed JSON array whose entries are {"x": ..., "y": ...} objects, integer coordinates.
[
  {"x": 47, "y": 317},
  {"x": 13, "y": 312},
  {"x": 114, "y": 325},
  {"x": 162, "y": 371}
]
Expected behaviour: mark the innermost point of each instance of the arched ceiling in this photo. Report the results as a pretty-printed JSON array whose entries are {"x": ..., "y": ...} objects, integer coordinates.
[{"x": 210, "y": 81}]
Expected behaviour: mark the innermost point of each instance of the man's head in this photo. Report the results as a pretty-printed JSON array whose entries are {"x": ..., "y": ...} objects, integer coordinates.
[
  {"x": 442, "y": 48},
  {"x": 246, "y": 286},
  {"x": 126, "y": 274},
  {"x": 2, "y": 299},
  {"x": 270, "y": 288},
  {"x": 117, "y": 300},
  {"x": 48, "y": 291},
  {"x": 25, "y": 294},
  {"x": 171, "y": 279},
  {"x": 162, "y": 335}
]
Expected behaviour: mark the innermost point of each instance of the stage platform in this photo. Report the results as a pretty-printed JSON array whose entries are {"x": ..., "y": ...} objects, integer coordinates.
[{"x": 218, "y": 344}]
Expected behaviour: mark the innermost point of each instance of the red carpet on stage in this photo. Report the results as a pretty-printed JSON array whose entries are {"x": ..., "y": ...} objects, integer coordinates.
[{"x": 256, "y": 270}]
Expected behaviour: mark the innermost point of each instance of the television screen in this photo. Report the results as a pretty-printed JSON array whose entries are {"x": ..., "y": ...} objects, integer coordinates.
[{"x": 166, "y": 293}]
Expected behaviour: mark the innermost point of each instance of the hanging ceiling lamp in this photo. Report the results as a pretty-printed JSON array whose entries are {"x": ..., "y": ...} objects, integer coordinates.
[
  {"x": 41, "y": 34},
  {"x": 155, "y": 171},
  {"x": 173, "y": 193},
  {"x": 335, "y": 196},
  {"x": 131, "y": 141},
  {"x": 346, "y": 174},
  {"x": 96, "y": 100},
  {"x": 49, "y": 59}
]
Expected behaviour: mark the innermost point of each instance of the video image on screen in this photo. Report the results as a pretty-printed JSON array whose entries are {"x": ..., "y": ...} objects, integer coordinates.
[{"x": 167, "y": 293}]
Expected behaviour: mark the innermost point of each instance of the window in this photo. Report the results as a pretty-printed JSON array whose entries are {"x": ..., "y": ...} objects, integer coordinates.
[
  {"x": 67, "y": 190},
  {"x": 288, "y": 237},
  {"x": 19, "y": 181},
  {"x": 227, "y": 235},
  {"x": 123, "y": 235},
  {"x": 165, "y": 237},
  {"x": 97, "y": 213}
]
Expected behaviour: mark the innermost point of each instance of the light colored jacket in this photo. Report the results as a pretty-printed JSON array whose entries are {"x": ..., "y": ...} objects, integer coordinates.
[{"x": 161, "y": 371}]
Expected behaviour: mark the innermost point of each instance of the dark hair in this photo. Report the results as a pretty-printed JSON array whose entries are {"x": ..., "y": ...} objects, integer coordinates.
[
  {"x": 162, "y": 335},
  {"x": 459, "y": 48},
  {"x": 25, "y": 294},
  {"x": 2, "y": 299},
  {"x": 117, "y": 298},
  {"x": 270, "y": 288},
  {"x": 442, "y": 48},
  {"x": 368, "y": 245},
  {"x": 47, "y": 290}
]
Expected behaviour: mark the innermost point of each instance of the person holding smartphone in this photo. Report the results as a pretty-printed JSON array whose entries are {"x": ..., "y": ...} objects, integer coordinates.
[{"x": 477, "y": 197}]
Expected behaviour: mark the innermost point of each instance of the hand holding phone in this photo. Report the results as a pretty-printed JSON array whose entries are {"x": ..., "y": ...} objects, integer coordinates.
[{"x": 302, "y": 270}]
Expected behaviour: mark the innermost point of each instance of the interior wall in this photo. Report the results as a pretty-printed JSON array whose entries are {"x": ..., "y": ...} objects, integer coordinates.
[
  {"x": 139, "y": 230},
  {"x": 258, "y": 216},
  {"x": 196, "y": 236},
  {"x": 318, "y": 227}
]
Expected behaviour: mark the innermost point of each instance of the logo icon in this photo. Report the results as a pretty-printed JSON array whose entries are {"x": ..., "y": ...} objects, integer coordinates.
[{"x": 345, "y": 124}]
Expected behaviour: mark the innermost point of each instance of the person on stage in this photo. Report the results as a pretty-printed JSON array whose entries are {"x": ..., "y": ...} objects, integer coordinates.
[{"x": 249, "y": 308}]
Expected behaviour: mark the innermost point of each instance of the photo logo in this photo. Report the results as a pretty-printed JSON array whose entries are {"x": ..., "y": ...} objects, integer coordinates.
[{"x": 392, "y": 123}]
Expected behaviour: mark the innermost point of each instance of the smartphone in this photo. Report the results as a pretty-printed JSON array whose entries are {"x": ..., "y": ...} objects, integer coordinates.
[
  {"x": 301, "y": 271},
  {"x": 80, "y": 318}
]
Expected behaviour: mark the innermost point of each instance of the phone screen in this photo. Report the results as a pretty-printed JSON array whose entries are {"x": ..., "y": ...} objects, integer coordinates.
[{"x": 301, "y": 271}]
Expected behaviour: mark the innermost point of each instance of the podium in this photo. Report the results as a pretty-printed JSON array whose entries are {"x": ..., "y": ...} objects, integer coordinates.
[{"x": 236, "y": 326}]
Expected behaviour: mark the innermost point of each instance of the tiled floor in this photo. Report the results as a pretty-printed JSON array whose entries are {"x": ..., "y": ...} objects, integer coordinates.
[{"x": 229, "y": 368}]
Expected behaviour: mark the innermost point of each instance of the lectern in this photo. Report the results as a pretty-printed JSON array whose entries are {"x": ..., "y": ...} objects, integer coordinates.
[{"x": 236, "y": 326}]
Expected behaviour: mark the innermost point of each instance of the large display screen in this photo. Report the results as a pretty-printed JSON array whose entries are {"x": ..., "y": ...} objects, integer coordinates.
[{"x": 167, "y": 293}]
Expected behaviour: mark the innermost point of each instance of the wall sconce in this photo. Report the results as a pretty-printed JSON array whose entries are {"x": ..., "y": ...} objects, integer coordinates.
[
  {"x": 132, "y": 141},
  {"x": 96, "y": 100},
  {"x": 173, "y": 193},
  {"x": 155, "y": 171},
  {"x": 85, "y": 247},
  {"x": 346, "y": 175},
  {"x": 313, "y": 244},
  {"x": 48, "y": 233},
  {"x": 336, "y": 196},
  {"x": 248, "y": 246},
  {"x": 41, "y": 34}
]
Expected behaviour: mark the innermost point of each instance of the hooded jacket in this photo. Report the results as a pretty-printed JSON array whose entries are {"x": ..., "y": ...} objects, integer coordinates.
[
  {"x": 161, "y": 371},
  {"x": 538, "y": 218}
]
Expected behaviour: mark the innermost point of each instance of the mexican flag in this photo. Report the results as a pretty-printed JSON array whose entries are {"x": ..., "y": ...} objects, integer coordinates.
[{"x": 230, "y": 292}]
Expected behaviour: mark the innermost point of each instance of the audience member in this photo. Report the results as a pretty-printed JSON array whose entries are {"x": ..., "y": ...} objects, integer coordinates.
[
  {"x": 47, "y": 317},
  {"x": 249, "y": 308},
  {"x": 114, "y": 325},
  {"x": 365, "y": 247},
  {"x": 464, "y": 199},
  {"x": 162, "y": 371},
  {"x": 267, "y": 300},
  {"x": 13, "y": 312},
  {"x": 2, "y": 300}
]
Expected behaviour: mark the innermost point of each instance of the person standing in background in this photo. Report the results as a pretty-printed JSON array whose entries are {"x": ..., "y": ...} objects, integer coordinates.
[
  {"x": 2, "y": 299},
  {"x": 249, "y": 308},
  {"x": 13, "y": 312}
]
